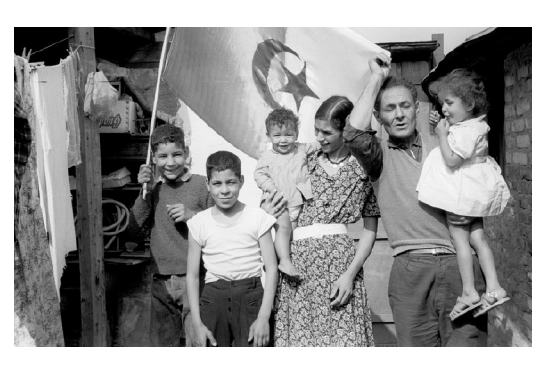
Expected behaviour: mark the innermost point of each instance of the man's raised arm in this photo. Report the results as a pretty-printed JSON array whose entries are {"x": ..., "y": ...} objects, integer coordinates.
[{"x": 358, "y": 134}]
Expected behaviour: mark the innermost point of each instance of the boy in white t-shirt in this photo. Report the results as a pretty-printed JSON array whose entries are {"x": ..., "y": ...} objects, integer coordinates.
[{"x": 235, "y": 242}]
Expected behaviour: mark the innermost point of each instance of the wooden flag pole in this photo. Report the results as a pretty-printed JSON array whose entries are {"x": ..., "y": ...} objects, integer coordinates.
[{"x": 154, "y": 110}]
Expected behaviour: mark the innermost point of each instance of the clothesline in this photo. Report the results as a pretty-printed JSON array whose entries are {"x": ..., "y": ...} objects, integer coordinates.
[{"x": 57, "y": 42}]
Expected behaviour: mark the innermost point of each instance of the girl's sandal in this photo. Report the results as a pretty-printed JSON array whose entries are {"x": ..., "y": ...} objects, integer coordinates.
[
  {"x": 490, "y": 300},
  {"x": 469, "y": 304}
]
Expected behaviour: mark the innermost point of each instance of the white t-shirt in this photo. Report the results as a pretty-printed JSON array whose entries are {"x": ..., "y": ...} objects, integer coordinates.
[{"x": 231, "y": 252}]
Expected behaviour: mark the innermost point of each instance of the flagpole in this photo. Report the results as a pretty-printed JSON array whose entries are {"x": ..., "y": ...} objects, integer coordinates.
[{"x": 154, "y": 110}]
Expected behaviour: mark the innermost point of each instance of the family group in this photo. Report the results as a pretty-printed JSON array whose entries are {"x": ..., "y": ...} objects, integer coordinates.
[{"x": 287, "y": 273}]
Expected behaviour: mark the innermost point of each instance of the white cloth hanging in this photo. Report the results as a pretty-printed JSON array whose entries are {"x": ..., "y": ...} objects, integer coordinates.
[{"x": 52, "y": 163}]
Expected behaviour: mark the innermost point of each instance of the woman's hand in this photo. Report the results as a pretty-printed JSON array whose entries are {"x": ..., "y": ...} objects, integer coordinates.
[
  {"x": 342, "y": 290},
  {"x": 275, "y": 204},
  {"x": 442, "y": 129}
]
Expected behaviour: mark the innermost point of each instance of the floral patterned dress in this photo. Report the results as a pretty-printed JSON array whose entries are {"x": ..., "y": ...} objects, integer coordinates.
[{"x": 303, "y": 314}]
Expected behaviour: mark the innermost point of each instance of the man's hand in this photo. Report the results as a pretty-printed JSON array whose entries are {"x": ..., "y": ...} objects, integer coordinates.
[
  {"x": 380, "y": 65},
  {"x": 179, "y": 212},
  {"x": 434, "y": 118},
  {"x": 259, "y": 333}
]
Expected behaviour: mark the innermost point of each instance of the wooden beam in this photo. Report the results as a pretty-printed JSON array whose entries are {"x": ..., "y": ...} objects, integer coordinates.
[
  {"x": 94, "y": 326},
  {"x": 438, "y": 55}
]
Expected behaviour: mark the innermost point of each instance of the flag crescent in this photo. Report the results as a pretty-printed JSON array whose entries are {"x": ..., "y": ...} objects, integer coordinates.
[{"x": 261, "y": 64}]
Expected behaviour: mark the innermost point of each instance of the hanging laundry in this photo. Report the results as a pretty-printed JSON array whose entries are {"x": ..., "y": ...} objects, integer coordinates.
[
  {"x": 37, "y": 320},
  {"x": 51, "y": 139},
  {"x": 70, "y": 103}
]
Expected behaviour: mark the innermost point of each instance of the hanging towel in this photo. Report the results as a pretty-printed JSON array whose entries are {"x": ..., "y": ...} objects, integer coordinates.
[
  {"x": 51, "y": 139},
  {"x": 72, "y": 119}
]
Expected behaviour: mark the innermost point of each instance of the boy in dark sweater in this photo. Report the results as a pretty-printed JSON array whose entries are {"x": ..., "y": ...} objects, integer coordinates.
[{"x": 172, "y": 199}]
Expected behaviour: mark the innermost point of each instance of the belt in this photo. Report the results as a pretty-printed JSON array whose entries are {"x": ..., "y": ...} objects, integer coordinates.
[
  {"x": 429, "y": 251},
  {"x": 319, "y": 230}
]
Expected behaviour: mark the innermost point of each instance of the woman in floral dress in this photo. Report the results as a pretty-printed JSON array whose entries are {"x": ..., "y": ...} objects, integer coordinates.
[{"x": 328, "y": 306}]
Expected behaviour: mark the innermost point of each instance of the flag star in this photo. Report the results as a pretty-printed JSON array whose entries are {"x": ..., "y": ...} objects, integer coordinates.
[{"x": 297, "y": 85}]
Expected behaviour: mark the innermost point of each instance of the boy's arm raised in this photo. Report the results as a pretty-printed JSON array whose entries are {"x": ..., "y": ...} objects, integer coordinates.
[
  {"x": 259, "y": 331},
  {"x": 202, "y": 334},
  {"x": 141, "y": 214}
]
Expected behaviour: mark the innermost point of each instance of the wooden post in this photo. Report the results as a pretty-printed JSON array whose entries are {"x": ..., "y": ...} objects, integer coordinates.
[
  {"x": 438, "y": 54},
  {"x": 89, "y": 212}
]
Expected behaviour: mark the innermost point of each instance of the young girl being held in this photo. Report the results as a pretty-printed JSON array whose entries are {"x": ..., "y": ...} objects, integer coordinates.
[{"x": 460, "y": 178}]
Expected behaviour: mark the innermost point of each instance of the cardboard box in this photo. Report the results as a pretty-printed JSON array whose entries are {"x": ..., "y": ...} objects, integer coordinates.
[
  {"x": 121, "y": 121},
  {"x": 116, "y": 179}
]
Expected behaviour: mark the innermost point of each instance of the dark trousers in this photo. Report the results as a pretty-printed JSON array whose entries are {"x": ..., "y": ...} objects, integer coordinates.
[
  {"x": 170, "y": 311},
  {"x": 229, "y": 308},
  {"x": 423, "y": 289}
]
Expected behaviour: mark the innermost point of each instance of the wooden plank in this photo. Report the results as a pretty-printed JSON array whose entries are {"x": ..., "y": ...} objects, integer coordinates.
[
  {"x": 415, "y": 71},
  {"x": 438, "y": 55},
  {"x": 94, "y": 324}
]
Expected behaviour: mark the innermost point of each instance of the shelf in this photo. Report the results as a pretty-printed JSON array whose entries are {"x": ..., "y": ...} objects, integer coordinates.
[
  {"x": 121, "y": 258},
  {"x": 127, "y": 187}
]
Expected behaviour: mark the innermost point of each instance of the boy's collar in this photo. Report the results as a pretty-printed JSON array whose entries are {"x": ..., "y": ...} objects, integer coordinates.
[{"x": 183, "y": 178}]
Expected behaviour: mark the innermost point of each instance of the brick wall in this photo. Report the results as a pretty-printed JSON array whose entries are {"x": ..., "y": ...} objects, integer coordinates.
[{"x": 510, "y": 234}]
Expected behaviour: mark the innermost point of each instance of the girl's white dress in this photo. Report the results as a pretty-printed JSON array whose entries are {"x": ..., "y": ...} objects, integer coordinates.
[{"x": 476, "y": 188}]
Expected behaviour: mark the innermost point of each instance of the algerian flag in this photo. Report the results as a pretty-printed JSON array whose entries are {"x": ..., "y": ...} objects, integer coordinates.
[{"x": 232, "y": 78}]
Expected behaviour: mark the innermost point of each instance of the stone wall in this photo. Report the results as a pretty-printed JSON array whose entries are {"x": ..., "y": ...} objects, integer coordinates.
[{"x": 510, "y": 234}]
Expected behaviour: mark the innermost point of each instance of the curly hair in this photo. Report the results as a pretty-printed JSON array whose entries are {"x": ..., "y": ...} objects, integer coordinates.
[
  {"x": 391, "y": 82},
  {"x": 165, "y": 134},
  {"x": 464, "y": 84},
  {"x": 222, "y": 161},
  {"x": 335, "y": 109},
  {"x": 282, "y": 117}
]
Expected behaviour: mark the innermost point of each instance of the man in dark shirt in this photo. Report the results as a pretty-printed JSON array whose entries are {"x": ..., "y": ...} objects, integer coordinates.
[{"x": 425, "y": 282}]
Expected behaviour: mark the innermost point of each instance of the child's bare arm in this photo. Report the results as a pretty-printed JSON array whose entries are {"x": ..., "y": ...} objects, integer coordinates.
[
  {"x": 451, "y": 159},
  {"x": 202, "y": 334},
  {"x": 259, "y": 331}
]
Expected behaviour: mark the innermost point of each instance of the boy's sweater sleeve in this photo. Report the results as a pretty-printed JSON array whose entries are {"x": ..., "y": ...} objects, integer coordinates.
[
  {"x": 141, "y": 217},
  {"x": 262, "y": 176}
]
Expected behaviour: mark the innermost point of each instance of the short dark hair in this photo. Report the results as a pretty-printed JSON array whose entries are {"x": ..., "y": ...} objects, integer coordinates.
[
  {"x": 391, "y": 82},
  {"x": 165, "y": 134},
  {"x": 221, "y": 161},
  {"x": 464, "y": 84},
  {"x": 282, "y": 117},
  {"x": 335, "y": 109}
]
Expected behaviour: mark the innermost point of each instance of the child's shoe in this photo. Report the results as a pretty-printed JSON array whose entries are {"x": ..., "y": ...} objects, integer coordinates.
[
  {"x": 490, "y": 300},
  {"x": 464, "y": 304}
]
